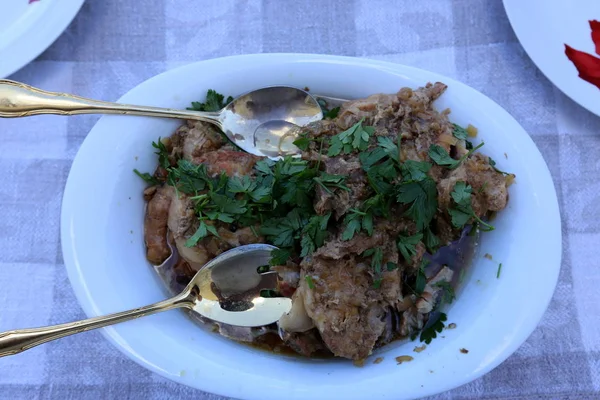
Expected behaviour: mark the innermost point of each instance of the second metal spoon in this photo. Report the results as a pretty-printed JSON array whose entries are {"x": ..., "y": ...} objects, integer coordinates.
[
  {"x": 227, "y": 290},
  {"x": 239, "y": 120}
]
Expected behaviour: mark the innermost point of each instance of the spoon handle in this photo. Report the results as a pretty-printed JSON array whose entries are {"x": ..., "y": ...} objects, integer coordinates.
[
  {"x": 16, "y": 341},
  {"x": 21, "y": 100}
]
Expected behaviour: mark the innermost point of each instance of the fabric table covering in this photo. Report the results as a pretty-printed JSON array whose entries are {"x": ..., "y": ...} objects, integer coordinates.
[{"x": 113, "y": 45}]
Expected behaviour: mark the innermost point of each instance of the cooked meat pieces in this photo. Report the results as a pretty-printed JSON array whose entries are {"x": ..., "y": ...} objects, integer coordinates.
[
  {"x": 198, "y": 139},
  {"x": 181, "y": 214},
  {"x": 343, "y": 305},
  {"x": 490, "y": 189},
  {"x": 352, "y": 304},
  {"x": 155, "y": 225},
  {"x": 231, "y": 162}
]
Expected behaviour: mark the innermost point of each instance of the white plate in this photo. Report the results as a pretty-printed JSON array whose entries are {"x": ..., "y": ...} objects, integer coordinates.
[
  {"x": 101, "y": 232},
  {"x": 28, "y": 28},
  {"x": 544, "y": 27}
]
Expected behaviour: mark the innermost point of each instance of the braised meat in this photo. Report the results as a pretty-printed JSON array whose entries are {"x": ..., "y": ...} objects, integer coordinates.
[{"x": 362, "y": 219}]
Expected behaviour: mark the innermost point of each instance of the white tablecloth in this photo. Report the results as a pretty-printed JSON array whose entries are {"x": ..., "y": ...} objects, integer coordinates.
[{"x": 115, "y": 44}]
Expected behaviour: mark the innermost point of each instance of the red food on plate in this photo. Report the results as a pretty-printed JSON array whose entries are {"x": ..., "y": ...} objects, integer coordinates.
[
  {"x": 595, "y": 26},
  {"x": 587, "y": 65}
]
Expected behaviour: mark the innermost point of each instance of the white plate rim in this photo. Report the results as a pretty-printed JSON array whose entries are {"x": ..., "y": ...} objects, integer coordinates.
[
  {"x": 31, "y": 44},
  {"x": 571, "y": 85},
  {"x": 112, "y": 333}
]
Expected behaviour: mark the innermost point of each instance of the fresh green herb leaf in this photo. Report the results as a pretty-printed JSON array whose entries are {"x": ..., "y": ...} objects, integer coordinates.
[
  {"x": 370, "y": 158},
  {"x": 459, "y": 216},
  {"x": 499, "y": 270},
  {"x": 202, "y": 232},
  {"x": 302, "y": 143},
  {"x": 279, "y": 256},
  {"x": 149, "y": 179},
  {"x": 421, "y": 279},
  {"x": 331, "y": 114},
  {"x": 441, "y": 157},
  {"x": 376, "y": 255},
  {"x": 354, "y": 138},
  {"x": 327, "y": 113},
  {"x": 390, "y": 266},
  {"x": 244, "y": 184},
  {"x": 431, "y": 241},
  {"x": 448, "y": 294},
  {"x": 415, "y": 170},
  {"x": 422, "y": 200},
  {"x": 264, "y": 166},
  {"x": 269, "y": 293},
  {"x": 335, "y": 181},
  {"x": 493, "y": 164},
  {"x": 433, "y": 328},
  {"x": 462, "y": 212},
  {"x": 214, "y": 102},
  {"x": 309, "y": 281},
  {"x": 215, "y": 215},
  {"x": 353, "y": 225},
  {"x": 468, "y": 145},
  {"x": 388, "y": 146},
  {"x": 459, "y": 132},
  {"x": 408, "y": 245},
  {"x": 367, "y": 224},
  {"x": 282, "y": 231},
  {"x": 163, "y": 153},
  {"x": 314, "y": 234},
  {"x": 189, "y": 178}
]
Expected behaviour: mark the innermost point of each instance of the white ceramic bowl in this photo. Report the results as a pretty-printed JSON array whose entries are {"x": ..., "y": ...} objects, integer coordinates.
[{"x": 102, "y": 241}]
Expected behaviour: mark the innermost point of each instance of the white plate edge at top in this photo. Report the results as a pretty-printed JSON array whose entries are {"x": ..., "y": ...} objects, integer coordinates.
[{"x": 36, "y": 39}]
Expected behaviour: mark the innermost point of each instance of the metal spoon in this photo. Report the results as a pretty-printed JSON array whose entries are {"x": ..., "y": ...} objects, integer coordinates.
[
  {"x": 239, "y": 120},
  {"x": 227, "y": 289}
]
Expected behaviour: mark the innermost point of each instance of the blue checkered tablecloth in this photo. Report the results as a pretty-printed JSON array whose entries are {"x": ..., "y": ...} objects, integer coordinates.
[{"x": 113, "y": 45}]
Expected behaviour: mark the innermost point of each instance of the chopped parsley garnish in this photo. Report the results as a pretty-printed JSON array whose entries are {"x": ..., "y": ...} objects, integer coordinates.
[
  {"x": 421, "y": 197},
  {"x": 462, "y": 211},
  {"x": 302, "y": 143},
  {"x": 407, "y": 245},
  {"x": 499, "y": 270},
  {"x": 448, "y": 294},
  {"x": 459, "y": 132},
  {"x": 149, "y": 179},
  {"x": 493, "y": 164},
  {"x": 441, "y": 157},
  {"x": 214, "y": 102},
  {"x": 331, "y": 114},
  {"x": 309, "y": 281},
  {"x": 328, "y": 113},
  {"x": 376, "y": 255},
  {"x": 421, "y": 279},
  {"x": 279, "y": 256},
  {"x": 354, "y": 138},
  {"x": 433, "y": 327}
]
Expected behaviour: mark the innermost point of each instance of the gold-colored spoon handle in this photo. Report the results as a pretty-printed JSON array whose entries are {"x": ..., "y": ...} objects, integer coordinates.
[
  {"x": 21, "y": 100},
  {"x": 13, "y": 342}
]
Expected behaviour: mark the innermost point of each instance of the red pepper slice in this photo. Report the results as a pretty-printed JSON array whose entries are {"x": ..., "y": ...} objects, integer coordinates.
[
  {"x": 595, "y": 26},
  {"x": 587, "y": 65}
]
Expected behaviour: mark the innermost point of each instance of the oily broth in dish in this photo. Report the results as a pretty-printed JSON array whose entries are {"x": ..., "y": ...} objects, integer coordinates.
[{"x": 374, "y": 222}]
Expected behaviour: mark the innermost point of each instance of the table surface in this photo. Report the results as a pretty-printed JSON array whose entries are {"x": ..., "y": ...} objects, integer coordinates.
[{"x": 113, "y": 45}]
